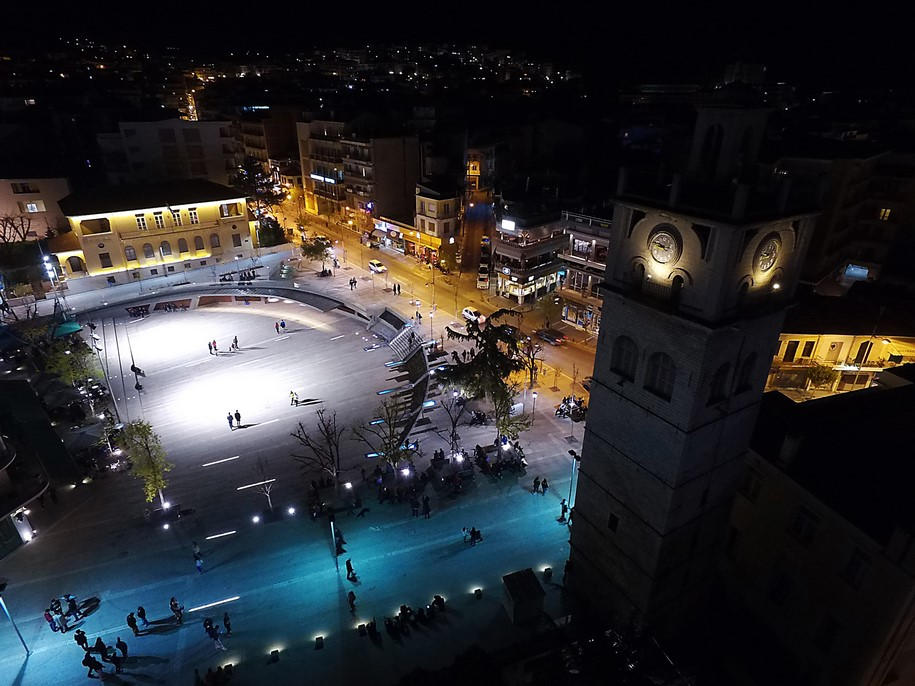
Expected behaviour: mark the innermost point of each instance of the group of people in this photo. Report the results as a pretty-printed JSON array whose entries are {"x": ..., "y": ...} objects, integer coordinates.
[
  {"x": 540, "y": 485},
  {"x": 107, "y": 653},
  {"x": 234, "y": 420},
  {"x": 572, "y": 406},
  {"x": 472, "y": 535},
  {"x": 213, "y": 348},
  {"x": 56, "y": 616},
  {"x": 279, "y": 326}
]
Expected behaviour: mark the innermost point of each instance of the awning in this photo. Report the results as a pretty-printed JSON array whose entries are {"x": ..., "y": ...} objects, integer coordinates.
[{"x": 66, "y": 328}]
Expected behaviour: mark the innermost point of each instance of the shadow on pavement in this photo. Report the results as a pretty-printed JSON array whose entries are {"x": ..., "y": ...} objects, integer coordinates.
[{"x": 21, "y": 673}]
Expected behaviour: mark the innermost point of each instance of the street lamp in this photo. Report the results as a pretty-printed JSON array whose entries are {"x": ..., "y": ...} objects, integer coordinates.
[
  {"x": 534, "y": 409},
  {"x": 575, "y": 459},
  {"x": 431, "y": 335}
]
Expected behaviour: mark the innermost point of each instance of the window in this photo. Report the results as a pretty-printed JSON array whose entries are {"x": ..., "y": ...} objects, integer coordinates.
[
  {"x": 660, "y": 374},
  {"x": 804, "y": 525},
  {"x": 807, "y": 351},
  {"x": 176, "y": 217},
  {"x": 170, "y": 268},
  {"x": 104, "y": 259},
  {"x": 863, "y": 351},
  {"x": 182, "y": 245},
  {"x": 148, "y": 251},
  {"x": 92, "y": 226},
  {"x": 236, "y": 240},
  {"x": 24, "y": 188},
  {"x": 214, "y": 240},
  {"x": 857, "y": 567},
  {"x": 884, "y": 214},
  {"x": 827, "y": 634},
  {"x": 203, "y": 263},
  {"x": 32, "y": 206},
  {"x": 791, "y": 351},
  {"x": 422, "y": 206},
  {"x": 141, "y": 222},
  {"x": 624, "y": 357},
  {"x": 229, "y": 209},
  {"x": 159, "y": 219},
  {"x": 130, "y": 253},
  {"x": 613, "y": 522},
  {"x": 192, "y": 215},
  {"x": 153, "y": 272},
  {"x": 718, "y": 388},
  {"x": 165, "y": 248},
  {"x": 198, "y": 243},
  {"x": 751, "y": 485},
  {"x": 746, "y": 373}
]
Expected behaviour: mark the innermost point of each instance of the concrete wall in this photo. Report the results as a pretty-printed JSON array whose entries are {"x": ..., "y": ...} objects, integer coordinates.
[{"x": 47, "y": 190}]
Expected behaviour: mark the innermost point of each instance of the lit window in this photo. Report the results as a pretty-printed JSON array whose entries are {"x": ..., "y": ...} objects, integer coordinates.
[
  {"x": 884, "y": 214},
  {"x": 192, "y": 215},
  {"x": 159, "y": 219},
  {"x": 35, "y": 206},
  {"x": 229, "y": 209},
  {"x": 141, "y": 222}
]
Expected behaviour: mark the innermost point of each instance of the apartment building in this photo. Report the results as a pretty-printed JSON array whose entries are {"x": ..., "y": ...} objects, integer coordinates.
[
  {"x": 268, "y": 133},
  {"x": 128, "y": 232},
  {"x": 31, "y": 205},
  {"x": 437, "y": 214},
  {"x": 526, "y": 252},
  {"x": 585, "y": 261},
  {"x": 151, "y": 151}
]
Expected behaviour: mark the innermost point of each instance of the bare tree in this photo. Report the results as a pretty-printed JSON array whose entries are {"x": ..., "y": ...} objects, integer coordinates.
[
  {"x": 322, "y": 446},
  {"x": 384, "y": 435},
  {"x": 529, "y": 352},
  {"x": 15, "y": 228},
  {"x": 454, "y": 405},
  {"x": 266, "y": 486}
]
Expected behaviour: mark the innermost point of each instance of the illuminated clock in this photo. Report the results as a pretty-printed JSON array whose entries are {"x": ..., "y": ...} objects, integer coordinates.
[
  {"x": 664, "y": 246},
  {"x": 767, "y": 253}
]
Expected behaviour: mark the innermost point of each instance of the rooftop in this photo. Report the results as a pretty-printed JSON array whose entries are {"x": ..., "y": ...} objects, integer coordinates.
[
  {"x": 122, "y": 198},
  {"x": 438, "y": 187},
  {"x": 865, "y": 309},
  {"x": 864, "y": 474}
]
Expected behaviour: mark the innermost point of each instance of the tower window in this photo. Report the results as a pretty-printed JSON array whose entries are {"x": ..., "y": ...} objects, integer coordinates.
[
  {"x": 884, "y": 214},
  {"x": 746, "y": 373},
  {"x": 718, "y": 389},
  {"x": 624, "y": 356},
  {"x": 660, "y": 374}
]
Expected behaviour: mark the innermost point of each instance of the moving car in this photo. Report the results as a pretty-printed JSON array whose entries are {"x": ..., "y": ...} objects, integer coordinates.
[
  {"x": 321, "y": 238},
  {"x": 377, "y": 267},
  {"x": 551, "y": 336},
  {"x": 470, "y": 313}
]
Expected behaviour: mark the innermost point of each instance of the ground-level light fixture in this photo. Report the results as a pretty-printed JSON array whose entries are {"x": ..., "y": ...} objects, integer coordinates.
[
  {"x": 165, "y": 526},
  {"x": 291, "y": 510},
  {"x": 405, "y": 471},
  {"x": 348, "y": 486},
  {"x": 255, "y": 519},
  {"x": 166, "y": 505}
]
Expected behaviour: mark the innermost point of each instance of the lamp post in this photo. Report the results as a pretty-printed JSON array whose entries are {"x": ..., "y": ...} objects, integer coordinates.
[
  {"x": 534, "y": 409},
  {"x": 10, "y": 617},
  {"x": 431, "y": 335},
  {"x": 575, "y": 459}
]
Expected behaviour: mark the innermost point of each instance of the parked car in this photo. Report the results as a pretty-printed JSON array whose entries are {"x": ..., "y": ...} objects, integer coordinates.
[
  {"x": 377, "y": 267},
  {"x": 483, "y": 282},
  {"x": 586, "y": 383},
  {"x": 470, "y": 313},
  {"x": 321, "y": 238},
  {"x": 551, "y": 336}
]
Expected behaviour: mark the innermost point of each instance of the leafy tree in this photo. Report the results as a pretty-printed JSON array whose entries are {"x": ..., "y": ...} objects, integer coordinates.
[
  {"x": 529, "y": 352},
  {"x": 550, "y": 308},
  {"x": 820, "y": 375},
  {"x": 149, "y": 463},
  {"x": 507, "y": 424},
  {"x": 270, "y": 232},
  {"x": 322, "y": 445},
  {"x": 385, "y": 434},
  {"x": 252, "y": 179},
  {"x": 72, "y": 360},
  {"x": 315, "y": 250}
]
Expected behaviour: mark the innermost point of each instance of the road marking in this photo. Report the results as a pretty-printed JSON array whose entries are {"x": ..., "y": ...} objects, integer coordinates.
[
  {"x": 283, "y": 337},
  {"x": 224, "y": 533},
  {"x": 258, "y": 483},
  {"x": 265, "y": 423},
  {"x": 243, "y": 364},
  {"x": 336, "y": 337},
  {"x": 218, "y": 602},
  {"x": 227, "y": 459}
]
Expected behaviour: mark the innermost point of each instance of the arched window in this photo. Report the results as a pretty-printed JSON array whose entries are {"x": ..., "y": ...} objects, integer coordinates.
[
  {"x": 130, "y": 253},
  {"x": 660, "y": 374},
  {"x": 198, "y": 243},
  {"x": 148, "y": 251},
  {"x": 638, "y": 275},
  {"x": 676, "y": 289},
  {"x": 76, "y": 264},
  {"x": 214, "y": 240},
  {"x": 165, "y": 248},
  {"x": 182, "y": 245},
  {"x": 745, "y": 377},
  {"x": 711, "y": 149},
  {"x": 624, "y": 357},
  {"x": 718, "y": 388}
]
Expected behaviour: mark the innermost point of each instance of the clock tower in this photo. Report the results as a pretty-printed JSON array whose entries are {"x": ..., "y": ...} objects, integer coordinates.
[{"x": 694, "y": 294}]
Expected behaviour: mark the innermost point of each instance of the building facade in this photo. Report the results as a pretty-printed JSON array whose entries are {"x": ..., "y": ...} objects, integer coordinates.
[
  {"x": 525, "y": 253},
  {"x": 585, "y": 261},
  {"x": 126, "y": 233},
  {"x": 437, "y": 214},
  {"x": 151, "y": 151},
  {"x": 31, "y": 205}
]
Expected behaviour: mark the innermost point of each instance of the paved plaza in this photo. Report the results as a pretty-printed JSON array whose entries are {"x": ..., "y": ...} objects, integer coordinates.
[{"x": 280, "y": 579}]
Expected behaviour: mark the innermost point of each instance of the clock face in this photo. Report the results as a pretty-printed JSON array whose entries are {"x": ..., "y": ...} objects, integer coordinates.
[
  {"x": 664, "y": 246},
  {"x": 767, "y": 254}
]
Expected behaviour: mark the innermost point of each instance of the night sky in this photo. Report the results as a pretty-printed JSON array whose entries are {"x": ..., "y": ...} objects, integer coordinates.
[{"x": 642, "y": 41}]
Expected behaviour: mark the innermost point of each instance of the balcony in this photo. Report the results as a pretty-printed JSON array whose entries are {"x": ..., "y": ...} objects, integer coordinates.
[{"x": 518, "y": 250}]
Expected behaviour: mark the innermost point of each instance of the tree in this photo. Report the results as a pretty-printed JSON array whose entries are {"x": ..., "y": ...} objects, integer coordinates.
[
  {"x": 258, "y": 186},
  {"x": 820, "y": 375},
  {"x": 322, "y": 444},
  {"x": 16, "y": 228},
  {"x": 508, "y": 424},
  {"x": 549, "y": 307},
  {"x": 384, "y": 435},
  {"x": 71, "y": 360},
  {"x": 266, "y": 485},
  {"x": 149, "y": 463},
  {"x": 454, "y": 405},
  {"x": 315, "y": 250},
  {"x": 529, "y": 352},
  {"x": 270, "y": 233}
]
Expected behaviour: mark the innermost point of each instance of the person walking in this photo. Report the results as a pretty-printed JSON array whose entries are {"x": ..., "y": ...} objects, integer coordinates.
[
  {"x": 414, "y": 506},
  {"x": 227, "y": 623},
  {"x": 52, "y": 623},
  {"x": 350, "y": 572},
  {"x": 238, "y": 419},
  {"x": 293, "y": 398},
  {"x": 215, "y": 349},
  {"x": 235, "y": 342},
  {"x": 351, "y": 599},
  {"x": 93, "y": 665},
  {"x": 283, "y": 324},
  {"x": 100, "y": 647},
  {"x": 536, "y": 488},
  {"x": 210, "y": 347},
  {"x": 230, "y": 420},
  {"x": 81, "y": 640},
  {"x": 141, "y": 613},
  {"x": 198, "y": 562},
  {"x": 72, "y": 609},
  {"x": 196, "y": 548},
  {"x": 564, "y": 509},
  {"x": 276, "y": 325},
  {"x": 176, "y": 609},
  {"x": 122, "y": 646},
  {"x": 132, "y": 623},
  {"x": 213, "y": 632},
  {"x": 543, "y": 486},
  {"x": 426, "y": 508}
]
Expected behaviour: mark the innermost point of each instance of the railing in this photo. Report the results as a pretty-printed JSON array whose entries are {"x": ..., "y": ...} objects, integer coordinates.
[{"x": 172, "y": 229}]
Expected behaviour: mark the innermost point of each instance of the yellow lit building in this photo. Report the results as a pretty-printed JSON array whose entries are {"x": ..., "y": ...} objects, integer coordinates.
[{"x": 124, "y": 233}]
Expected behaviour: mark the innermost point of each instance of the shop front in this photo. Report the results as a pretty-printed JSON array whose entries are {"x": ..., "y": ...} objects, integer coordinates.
[
  {"x": 389, "y": 235},
  {"x": 422, "y": 246},
  {"x": 510, "y": 285}
]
